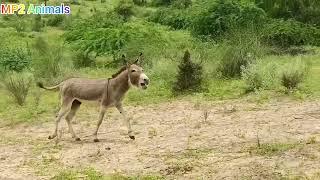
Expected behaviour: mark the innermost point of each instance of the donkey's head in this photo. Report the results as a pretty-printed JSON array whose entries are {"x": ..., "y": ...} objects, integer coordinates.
[{"x": 136, "y": 75}]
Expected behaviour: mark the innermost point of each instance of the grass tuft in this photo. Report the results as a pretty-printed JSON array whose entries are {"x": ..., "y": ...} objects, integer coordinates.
[{"x": 271, "y": 149}]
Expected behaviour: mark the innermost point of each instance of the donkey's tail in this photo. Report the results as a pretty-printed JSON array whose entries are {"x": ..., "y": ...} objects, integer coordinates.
[{"x": 40, "y": 85}]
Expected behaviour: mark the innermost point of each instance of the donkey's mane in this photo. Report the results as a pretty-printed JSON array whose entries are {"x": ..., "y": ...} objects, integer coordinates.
[{"x": 123, "y": 68}]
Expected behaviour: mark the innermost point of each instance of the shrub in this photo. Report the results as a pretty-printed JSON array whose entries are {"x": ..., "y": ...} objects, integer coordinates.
[
  {"x": 175, "y": 18},
  {"x": 75, "y": 2},
  {"x": 260, "y": 75},
  {"x": 182, "y": 3},
  {"x": 14, "y": 59},
  {"x": 111, "y": 37},
  {"x": 47, "y": 59},
  {"x": 162, "y": 2},
  {"x": 286, "y": 33},
  {"x": 82, "y": 59},
  {"x": 55, "y": 20},
  {"x": 80, "y": 28},
  {"x": 37, "y": 23},
  {"x": 18, "y": 85},
  {"x": 140, "y": 2},
  {"x": 223, "y": 15},
  {"x": 293, "y": 74},
  {"x": 300, "y": 10},
  {"x": 13, "y": 1},
  {"x": 20, "y": 24},
  {"x": 125, "y": 9},
  {"x": 241, "y": 49},
  {"x": 189, "y": 76}
]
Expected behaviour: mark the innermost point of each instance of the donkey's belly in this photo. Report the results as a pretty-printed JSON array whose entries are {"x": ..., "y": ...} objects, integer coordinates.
[
  {"x": 89, "y": 96},
  {"x": 88, "y": 92}
]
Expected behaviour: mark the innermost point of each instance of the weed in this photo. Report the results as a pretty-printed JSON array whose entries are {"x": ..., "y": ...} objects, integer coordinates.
[
  {"x": 293, "y": 74},
  {"x": 271, "y": 149},
  {"x": 18, "y": 85}
]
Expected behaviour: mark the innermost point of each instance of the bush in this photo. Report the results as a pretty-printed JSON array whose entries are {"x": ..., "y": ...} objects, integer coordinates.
[
  {"x": 162, "y": 2},
  {"x": 55, "y": 20},
  {"x": 223, "y": 15},
  {"x": 20, "y": 24},
  {"x": 80, "y": 28},
  {"x": 182, "y": 3},
  {"x": 241, "y": 49},
  {"x": 75, "y": 2},
  {"x": 14, "y": 59},
  {"x": 47, "y": 59},
  {"x": 18, "y": 85},
  {"x": 300, "y": 10},
  {"x": 37, "y": 23},
  {"x": 82, "y": 59},
  {"x": 175, "y": 18},
  {"x": 260, "y": 76},
  {"x": 189, "y": 78},
  {"x": 125, "y": 9},
  {"x": 109, "y": 36},
  {"x": 140, "y": 2},
  {"x": 293, "y": 74},
  {"x": 283, "y": 34}
]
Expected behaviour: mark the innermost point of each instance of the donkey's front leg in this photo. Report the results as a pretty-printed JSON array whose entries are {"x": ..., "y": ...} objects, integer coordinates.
[
  {"x": 101, "y": 115},
  {"x": 127, "y": 120}
]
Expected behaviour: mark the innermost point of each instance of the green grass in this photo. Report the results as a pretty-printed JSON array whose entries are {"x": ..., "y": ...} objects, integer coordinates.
[{"x": 271, "y": 149}]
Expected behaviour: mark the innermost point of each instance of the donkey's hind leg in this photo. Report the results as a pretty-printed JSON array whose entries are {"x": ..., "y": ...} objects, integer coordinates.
[
  {"x": 74, "y": 108},
  {"x": 65, "y": 107}
]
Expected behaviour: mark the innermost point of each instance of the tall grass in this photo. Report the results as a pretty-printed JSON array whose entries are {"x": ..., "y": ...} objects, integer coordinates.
[
  {"x": 260, "y": 75},
  {"x": 18, "y": 85},
  {"x": 241, "y": 48},
  {"x": 293, "y": 74},
  {"x": 49, "y": 61}
]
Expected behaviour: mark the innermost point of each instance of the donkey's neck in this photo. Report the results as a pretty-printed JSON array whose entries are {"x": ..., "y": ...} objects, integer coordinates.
[{"x": 121, "y": 84}]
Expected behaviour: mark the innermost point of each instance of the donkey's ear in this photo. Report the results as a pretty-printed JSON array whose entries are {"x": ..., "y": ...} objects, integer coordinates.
[
  {"x": 123, "y": 59},
  {"x": 137, "y": 60},
  {"x": 128, "y": 65}
]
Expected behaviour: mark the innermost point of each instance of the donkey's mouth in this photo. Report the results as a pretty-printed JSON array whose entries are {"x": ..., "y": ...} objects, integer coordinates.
[{"x": 143, "y": 85}]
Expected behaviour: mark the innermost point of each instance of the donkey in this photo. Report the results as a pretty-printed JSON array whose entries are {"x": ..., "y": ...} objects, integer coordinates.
[{"x": 108, "y": 92}]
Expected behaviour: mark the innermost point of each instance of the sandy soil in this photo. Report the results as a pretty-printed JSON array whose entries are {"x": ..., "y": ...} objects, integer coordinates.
[{"x": 178, "y": 140}]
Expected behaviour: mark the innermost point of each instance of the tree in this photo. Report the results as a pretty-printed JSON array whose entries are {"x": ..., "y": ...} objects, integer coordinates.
[{"x": 189, "y": 77}]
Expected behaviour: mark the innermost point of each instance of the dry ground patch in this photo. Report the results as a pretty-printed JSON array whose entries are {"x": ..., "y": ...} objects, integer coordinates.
[{"x": 175, "y": 140}]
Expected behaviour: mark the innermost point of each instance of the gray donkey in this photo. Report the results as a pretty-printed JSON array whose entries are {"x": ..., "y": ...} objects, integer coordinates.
[{"x": 108, "y": 92}]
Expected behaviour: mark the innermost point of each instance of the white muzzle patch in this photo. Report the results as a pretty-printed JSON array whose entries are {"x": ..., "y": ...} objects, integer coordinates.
[{"x": 144, "y": 81}]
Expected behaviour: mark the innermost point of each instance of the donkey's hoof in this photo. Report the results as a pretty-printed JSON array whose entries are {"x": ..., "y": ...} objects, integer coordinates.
[
  {"x": 96, "y": 140},
  {"x": 51, "y": 137},
  {"x": 132, "y": 137},
  {"x": 78, "y": 139}
]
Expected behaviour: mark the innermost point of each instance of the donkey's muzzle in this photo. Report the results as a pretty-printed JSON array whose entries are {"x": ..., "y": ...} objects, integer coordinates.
[{"x": 146, "y": 81}]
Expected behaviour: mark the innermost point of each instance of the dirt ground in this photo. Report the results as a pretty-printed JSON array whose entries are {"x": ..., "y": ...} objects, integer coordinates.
[{"x": 177, "y": 140}]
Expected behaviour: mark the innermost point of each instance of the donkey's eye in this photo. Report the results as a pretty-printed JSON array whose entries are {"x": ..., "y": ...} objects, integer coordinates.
[{"x": 133, "y": 70}]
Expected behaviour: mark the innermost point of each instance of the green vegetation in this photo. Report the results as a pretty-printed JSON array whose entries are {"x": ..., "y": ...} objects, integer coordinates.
[
  {"x": 245, "y": 48},
  {"x": 293, "y": 74},
  {"x": 18, "y": 85},
  {"x": 272, "y": 149},
  {"x": 189, "y": 76}
]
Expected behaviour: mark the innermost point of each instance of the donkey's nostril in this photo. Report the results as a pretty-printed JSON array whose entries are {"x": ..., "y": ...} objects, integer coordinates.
[{"x": 146, "y": 81}]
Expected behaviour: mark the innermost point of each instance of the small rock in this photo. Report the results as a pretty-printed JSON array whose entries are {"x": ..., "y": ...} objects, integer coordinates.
[{"x": 298, "y": 117}]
